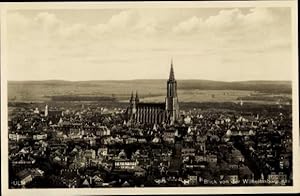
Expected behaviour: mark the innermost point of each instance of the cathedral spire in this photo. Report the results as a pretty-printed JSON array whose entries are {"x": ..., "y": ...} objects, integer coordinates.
[
  {"x": 171, "y": 76},
  {"x": 172, "y": 106}
]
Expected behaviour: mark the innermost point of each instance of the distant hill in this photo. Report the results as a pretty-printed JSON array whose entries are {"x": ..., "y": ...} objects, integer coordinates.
[
  {"x": 255, "y": 85},
  {"x": 261, "y": 86},
  {"x": 44, "y": 90}
]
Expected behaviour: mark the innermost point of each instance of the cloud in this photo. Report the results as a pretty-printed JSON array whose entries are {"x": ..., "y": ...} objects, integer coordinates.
[
  {"x": 50, "y": 43},
  {"x": 130, "y": 22},
  {"x": 48, "y": 21},
  {"x": 121, "y": 21},
  {"x": 225, "y": 19},
  {"x": 191, "y": 25},
  {"x": 260, "y": 16},
  {"x": 231, "y": 20},
  {"x": 258, "y": 29},
  {"x": 133, "y": 23}
]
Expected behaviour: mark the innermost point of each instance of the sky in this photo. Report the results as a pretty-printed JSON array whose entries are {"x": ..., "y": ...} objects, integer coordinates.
[{"x": 223, "y": 44}]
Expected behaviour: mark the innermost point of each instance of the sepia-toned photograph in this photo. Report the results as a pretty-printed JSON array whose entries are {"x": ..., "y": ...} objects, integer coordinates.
[{"x": 140, "y": 97}]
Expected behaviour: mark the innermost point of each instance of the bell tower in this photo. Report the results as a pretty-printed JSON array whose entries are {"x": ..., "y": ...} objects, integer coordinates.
[{"x": 172, "y": 106}]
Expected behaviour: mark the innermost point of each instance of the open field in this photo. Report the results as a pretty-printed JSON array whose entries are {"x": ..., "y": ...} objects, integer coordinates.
[
  {"x": 204, "y": 96},
  {"x": 150, "y": 90}
]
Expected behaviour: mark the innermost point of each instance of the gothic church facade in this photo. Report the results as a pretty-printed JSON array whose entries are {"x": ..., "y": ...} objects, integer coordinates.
[{"x": 156, "y": 113}]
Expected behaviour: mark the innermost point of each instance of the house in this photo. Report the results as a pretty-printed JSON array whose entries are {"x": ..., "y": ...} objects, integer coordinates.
[
  {"x": 187, "y": 120},
  {"x": 17, "y": 137},
  {"x": 103, "y": 131},
  {"x": 139, "y": 172},
  {"x": 169, "y": 136},
  {"x": 13, "y": 136},
  {"x": 125, "y": 164},
  {"x": 57, "y": 159},
  {"x": 40, "y": 136},
  {"x": 23, "y": 160},
  {"x": 200, "y": 158},
  {"x": 92, "y": 141},
  {"x": 102, "y": 152},
  {"x": 27, "y": 175},
  {"x": 233, "y": 166},
  {"x": 75, "y": 151},
  {"x": 142, "y": 140},
  {"x": 98, "y": 180},
  {"x": 188, "y": 152},
  {"x": 212, "y": 158},
  {"x": 126, "y": 184},
  {"x": 90, "y": 154},
  {"x": 86, "y": 183},
  {"x": 131, "y": 140},
  {"x": 77, "y": 163},
  {"x": 236, "y": 156},
  {"x": 156, "y": 140},
  {"x": 188, "y": 138}
]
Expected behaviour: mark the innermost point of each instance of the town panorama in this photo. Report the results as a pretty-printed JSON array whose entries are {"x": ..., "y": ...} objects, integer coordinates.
[{"x": 77, "y": 141}]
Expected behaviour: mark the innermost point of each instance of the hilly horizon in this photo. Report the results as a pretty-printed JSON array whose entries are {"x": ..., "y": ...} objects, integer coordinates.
[
  {"x": 204, "y": 80},
  {"x": 192, "y": 84},
  {"x": 149, "y": 90}
]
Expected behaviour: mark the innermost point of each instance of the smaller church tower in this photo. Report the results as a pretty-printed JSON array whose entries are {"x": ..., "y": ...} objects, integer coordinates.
[
  {"x": 131, "y": 98},
  {"x": 135, "y": 102},
  {"x": 137, "y": 99}
]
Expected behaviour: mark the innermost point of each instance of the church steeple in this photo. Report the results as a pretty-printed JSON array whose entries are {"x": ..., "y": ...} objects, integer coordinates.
[
  {"x": 171, "y": 76},
  {"x": 172, "y": 105},
  {"x": 131, "y": 98}
]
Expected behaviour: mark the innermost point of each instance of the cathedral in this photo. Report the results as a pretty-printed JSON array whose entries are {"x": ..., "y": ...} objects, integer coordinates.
[{"x": 156, "y": 113}]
